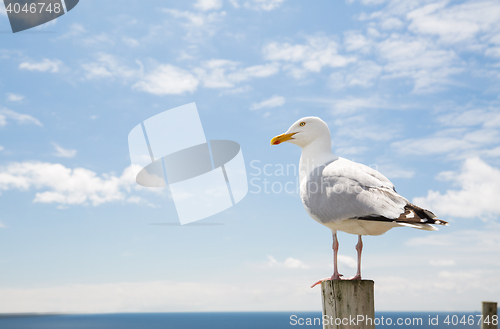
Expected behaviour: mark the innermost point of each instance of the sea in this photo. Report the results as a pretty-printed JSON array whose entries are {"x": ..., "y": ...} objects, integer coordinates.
[{"x": 232, "y": 320}]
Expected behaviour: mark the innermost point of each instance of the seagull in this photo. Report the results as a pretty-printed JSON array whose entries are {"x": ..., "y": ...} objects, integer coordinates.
[{"x": 347, "y": 196}]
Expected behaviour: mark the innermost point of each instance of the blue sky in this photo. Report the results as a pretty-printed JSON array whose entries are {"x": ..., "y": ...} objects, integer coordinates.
[{"x": 408, "y": 87}]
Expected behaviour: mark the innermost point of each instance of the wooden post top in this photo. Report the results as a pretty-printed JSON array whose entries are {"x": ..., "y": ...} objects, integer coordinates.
[
  {"x": 348, "y": 304},
  {"x": 490, "y": 317}
]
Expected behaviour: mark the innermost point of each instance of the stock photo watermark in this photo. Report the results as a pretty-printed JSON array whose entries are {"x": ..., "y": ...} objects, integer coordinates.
[
  {"x": 431, "y": 320},
  {"x": 204, "y": 177},
  {"x": 285, "y": 178},
  {"x": 26, "y": 14}
]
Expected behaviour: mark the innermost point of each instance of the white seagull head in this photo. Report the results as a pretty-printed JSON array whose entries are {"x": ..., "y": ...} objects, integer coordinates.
[{"x": 304, "y": 132}]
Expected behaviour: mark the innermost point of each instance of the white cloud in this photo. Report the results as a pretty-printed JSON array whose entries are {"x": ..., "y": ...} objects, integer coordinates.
[
  {"x": 2, "y": 225},
  {"x": 356, "y": 41},
  {"x": 429, "y": 41},
  {"x": 162, "y": 296},
  {"x": 433, "y": 145},
  {"x": 362, "y": 74},
  {"x": 167, "y": 80},
  {"x": 391, "y": 24},
  {"x": 294, "y": 263},
  {"x": 73, "y": 31},
  {"x": 1, "y": 148},
  {"x": 290, "y": 262},
  {"x": 135, "y": 199},
  {"x": 138, "y": 200},
  {"x": 477, "y": 194},
  {"x": 96, "y": 71},
  {"x": 460, "y": 133},
  {"x": 46, "y": 65},
  {"x": 221, "y": 73},
  {"x": 109, "y": 66},
  {"x": 442, "y": 262},
  {"x": 199, "y": 25},
  {"x": 213, "y": 73},
  {"x": 14, "y": 97},
  {"x": 98, "y": 40},
  {"x": 66, "y": 186},
  {"x": 368, "y": 2},
  {"x": 20, "y": 118},
  {"x": 360, "y": 127},
  {"x": 458, "y": 289},
  {"x": 234, "y": 91},
  {"x": 349, "y": 105},
  {"x": 208, "y": 4},
  {"x": 418, "y": 59},
  {"x": 488, "y": 118},
  {"x": 131, "y": 42},
  {"x": 274, "y": 101},
  {"x": 256, "y": 71},
  {"x": 347, "y": 261},
  {"x": 195, "y": 19},
  {"x": 266, "y": 5},
  {"x": 455, "y": 23},
  {"x": 473, "y": 242},
  {"x": 316, "y": 53},
  {"x": 63, "y": 153},
  {"x": 391, "y": 171}
]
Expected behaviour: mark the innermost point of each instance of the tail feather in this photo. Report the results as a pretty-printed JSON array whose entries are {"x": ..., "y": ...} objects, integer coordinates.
[
  {"x": 413, "y": 216},
  {"x": 426, "y": 227}
]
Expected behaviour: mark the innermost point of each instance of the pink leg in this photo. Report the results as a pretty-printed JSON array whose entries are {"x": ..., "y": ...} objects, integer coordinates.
[
  {"x": 359, "y": 248},
  {"x": 336, "y": 275},
  {"x": 335, "y": 247}
]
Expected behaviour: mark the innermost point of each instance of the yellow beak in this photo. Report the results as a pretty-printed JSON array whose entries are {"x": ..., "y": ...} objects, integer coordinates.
[{"x": 281, "y": 138}]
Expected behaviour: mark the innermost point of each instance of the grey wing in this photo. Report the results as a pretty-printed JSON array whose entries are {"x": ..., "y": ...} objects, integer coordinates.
[{"x": 344, "y": 189}]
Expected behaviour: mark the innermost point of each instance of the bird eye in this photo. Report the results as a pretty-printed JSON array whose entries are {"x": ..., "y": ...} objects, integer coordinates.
[{"x": 302, "y": 124}]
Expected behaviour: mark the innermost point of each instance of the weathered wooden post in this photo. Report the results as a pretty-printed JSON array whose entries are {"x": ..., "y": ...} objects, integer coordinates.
[
  {"x": 490, "y": 317},
  {"x": 348, "y": 304}
]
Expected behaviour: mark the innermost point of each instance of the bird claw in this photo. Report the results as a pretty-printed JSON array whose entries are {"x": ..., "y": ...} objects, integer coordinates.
[
  {"x": 356, "y": 277},
  {"x": 333, "y": 277}
]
